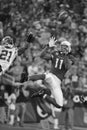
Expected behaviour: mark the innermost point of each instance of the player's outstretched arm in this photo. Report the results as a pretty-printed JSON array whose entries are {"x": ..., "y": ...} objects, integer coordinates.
[
  {"x": 30, "y": 38},
  {"x": 37, "y": 77},
  {"x": 16, "y": 84},
  {"x": 31, "y": 80}
]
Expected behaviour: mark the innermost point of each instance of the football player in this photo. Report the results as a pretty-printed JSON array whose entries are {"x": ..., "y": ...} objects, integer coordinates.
[
  {"x": 8, "y": 52},
  {"x": 61, "y": 62}
]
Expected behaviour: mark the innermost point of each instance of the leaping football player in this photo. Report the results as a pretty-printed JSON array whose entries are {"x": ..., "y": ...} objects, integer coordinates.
[{"x": 61, "y": 63}]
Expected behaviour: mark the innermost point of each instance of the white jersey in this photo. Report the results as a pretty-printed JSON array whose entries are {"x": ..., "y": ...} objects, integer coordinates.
[{"x": 7, "y": 56}]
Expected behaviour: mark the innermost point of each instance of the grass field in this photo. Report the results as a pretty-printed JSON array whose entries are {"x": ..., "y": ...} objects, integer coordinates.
[{"x": 34, "y": 126}]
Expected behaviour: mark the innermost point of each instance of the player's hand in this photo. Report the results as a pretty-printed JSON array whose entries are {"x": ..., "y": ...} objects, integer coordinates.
[
  {"x": 30, "y": 37},
  {"x": 52, "y": 42}
]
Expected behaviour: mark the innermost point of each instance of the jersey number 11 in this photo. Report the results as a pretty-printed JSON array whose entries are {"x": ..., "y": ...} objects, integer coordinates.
[{"x": 59, "y": 63}]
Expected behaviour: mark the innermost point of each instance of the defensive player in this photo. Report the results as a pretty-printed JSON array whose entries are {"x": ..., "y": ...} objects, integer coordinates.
[
  {"x": 8, "y": 53},
  {"x": 61, "y": 62}
]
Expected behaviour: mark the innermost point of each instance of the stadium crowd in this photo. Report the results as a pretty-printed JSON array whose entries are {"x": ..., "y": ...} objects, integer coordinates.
[{"x": 40, "y": 17}]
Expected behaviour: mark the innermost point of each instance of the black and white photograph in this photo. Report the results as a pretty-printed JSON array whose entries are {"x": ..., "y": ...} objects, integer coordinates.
[{"x": 43, "y": 64}]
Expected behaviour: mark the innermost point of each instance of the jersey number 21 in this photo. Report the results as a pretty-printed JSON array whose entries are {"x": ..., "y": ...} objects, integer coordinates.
[{"x": 5, "y": 55}]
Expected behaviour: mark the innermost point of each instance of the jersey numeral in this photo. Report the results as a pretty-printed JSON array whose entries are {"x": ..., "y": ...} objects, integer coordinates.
[
  {"x": 5, "y": 55},
  {"x": 58, "y": 63}
]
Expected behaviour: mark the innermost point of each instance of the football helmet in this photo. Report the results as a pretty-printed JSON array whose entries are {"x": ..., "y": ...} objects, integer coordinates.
[
  {"x": 7, "y": 41},
  {"x": 65, "y": 46},
  {"x": 63, "y": 15}
]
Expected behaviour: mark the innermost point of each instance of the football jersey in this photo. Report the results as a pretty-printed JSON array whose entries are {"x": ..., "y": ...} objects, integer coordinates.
[
  {"x": 7, "y": 56},
  {"x": 60, "y": 64}
]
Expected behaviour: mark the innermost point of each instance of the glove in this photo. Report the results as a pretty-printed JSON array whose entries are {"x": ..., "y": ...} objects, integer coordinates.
[
  {"x": 52, "y": 42},
  {"x": 30, "y": 37}
]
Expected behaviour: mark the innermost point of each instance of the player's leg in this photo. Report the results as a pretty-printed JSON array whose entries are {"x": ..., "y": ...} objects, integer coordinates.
[
  {"x": 45, "y": 94},
  {"x": 58, "y": 95},
  {"x": 55, "y": 86},
  {"x": 51, "y": 101},
  {"x": 52, "y": 83}
]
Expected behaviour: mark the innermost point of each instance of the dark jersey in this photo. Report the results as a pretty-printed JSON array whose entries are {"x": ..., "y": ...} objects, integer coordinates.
[{"x": 60, "y": 63}]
